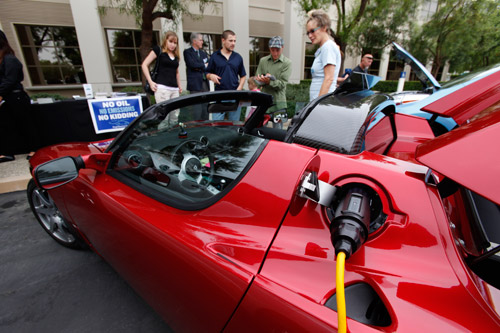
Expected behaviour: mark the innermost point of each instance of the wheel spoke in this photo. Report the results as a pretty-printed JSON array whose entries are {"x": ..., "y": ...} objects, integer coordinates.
[
  {"x": 43, "y": 198},
  {"x": 52, "y": 226},
  {"x": 50, "y": 217}
]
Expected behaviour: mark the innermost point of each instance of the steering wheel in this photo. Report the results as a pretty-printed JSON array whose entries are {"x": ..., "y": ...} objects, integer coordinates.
[
  {"x": 135, "y": 159},
  {"x": 191, "y": 168}
]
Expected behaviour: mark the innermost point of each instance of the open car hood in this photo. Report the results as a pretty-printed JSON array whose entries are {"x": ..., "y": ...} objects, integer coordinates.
[
  {"x": 422, "y": 73},
  {"x": 467, "y": 154}
]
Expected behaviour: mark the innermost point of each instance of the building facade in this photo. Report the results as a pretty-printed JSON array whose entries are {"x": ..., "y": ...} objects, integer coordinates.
[{"x": 65, "y": 43}]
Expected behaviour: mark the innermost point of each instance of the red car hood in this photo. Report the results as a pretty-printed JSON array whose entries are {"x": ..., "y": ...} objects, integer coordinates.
[
  {"x": 468, "y": 154},
  {"x": 464, "y": 103}
]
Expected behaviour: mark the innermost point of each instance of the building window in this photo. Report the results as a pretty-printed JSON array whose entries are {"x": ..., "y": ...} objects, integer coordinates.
[
  {"x": 395, "y": 67},
  {"x": 309, "y": 59},
  {"x": 124, "y": 54},
  {"x": 52, "y": 54},
  {"x": 427, "y": 9},
  {"x": 211, "y": 42},
  {"x": 259, "y": 48}
]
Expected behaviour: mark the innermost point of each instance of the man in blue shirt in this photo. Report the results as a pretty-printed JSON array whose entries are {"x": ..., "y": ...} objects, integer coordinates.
[{"x": 225, "y": 69}]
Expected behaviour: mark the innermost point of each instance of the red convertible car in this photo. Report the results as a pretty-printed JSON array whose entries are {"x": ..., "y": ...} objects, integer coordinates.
[{"x": 330, "y": 225}]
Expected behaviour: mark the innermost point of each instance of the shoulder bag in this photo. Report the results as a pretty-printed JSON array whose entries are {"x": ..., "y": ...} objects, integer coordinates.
[{"x": 154, "y": 74}]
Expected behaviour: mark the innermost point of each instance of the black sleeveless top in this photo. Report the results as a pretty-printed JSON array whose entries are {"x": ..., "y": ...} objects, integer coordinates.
[{"x": 167, "y": 69}]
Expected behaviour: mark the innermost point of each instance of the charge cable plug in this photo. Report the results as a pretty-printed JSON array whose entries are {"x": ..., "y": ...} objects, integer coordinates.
[{"x": 350, "y": 225}]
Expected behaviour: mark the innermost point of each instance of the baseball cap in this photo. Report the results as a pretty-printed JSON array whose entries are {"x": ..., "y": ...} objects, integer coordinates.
[{"x": 276, "y": 41}]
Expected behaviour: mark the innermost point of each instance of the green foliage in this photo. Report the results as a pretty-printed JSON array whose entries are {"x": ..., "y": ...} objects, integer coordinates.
[
  {"x": 383, "y": 22},
  {"x": 146, "y": 11},
  {"x": 297, "y": 95},
  {"x": 169, "y": 9},
  {"x": 367, "y": 24},
  {"x": 136, "y": 89},
  {"x": 464, "y": 32},
  {"x": 55, "y": 97},
  {"x": 390, "y": 86}
]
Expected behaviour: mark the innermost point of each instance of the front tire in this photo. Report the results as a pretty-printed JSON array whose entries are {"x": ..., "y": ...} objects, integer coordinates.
[{"x": 51, "y": 219}]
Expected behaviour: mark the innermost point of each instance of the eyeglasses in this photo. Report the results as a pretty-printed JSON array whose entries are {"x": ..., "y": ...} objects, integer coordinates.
[
  {"x": 371, "y": 58},
  {"x": 313, "y": 30}
]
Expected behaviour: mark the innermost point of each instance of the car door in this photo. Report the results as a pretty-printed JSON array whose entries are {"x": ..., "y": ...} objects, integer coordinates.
[{"x": 186, "y": 214}]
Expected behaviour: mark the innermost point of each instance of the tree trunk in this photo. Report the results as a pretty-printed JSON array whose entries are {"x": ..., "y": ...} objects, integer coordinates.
[{"x": 146, "y": 30}]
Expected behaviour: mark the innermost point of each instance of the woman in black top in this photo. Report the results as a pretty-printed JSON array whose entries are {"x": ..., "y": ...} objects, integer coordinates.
[
  {"x": 14, "y": 104},
  {"x": 167, "y": 84}
]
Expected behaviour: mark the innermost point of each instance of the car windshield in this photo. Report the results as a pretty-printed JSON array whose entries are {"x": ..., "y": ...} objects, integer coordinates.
[{"x": 181, "y": 158}]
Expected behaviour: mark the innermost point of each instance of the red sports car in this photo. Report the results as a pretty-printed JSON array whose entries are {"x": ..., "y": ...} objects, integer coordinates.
[{"x": 239, "y": 227}]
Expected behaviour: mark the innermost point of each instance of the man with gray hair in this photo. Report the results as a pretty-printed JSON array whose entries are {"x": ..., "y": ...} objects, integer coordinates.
[
  {"x": 273, "y": 73},
  {"x": 196, "y": 63}
]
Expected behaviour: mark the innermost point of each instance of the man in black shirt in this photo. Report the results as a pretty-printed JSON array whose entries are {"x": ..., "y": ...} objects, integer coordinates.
[
  {"x": 365, "y": 63},
  {"x": 363, "y": 66}
]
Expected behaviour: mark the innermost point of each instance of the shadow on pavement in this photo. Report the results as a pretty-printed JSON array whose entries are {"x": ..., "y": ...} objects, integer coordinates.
[{"x": 45, "y": 287}]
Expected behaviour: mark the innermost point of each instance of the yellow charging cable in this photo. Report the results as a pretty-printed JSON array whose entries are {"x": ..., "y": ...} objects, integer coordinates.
[{"x": 341, "y": 309}]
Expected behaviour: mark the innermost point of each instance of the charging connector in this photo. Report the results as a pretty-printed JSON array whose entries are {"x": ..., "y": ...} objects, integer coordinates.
[{"x": 350, "y": 226}]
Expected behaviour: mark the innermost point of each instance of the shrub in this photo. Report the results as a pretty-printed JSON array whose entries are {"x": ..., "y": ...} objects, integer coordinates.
[
  {"x": 390, "y": 86},
  {"x": 297, "y": 95},
  {"x": 136, "y": 89},
  {"x": 55, "y": 97}
]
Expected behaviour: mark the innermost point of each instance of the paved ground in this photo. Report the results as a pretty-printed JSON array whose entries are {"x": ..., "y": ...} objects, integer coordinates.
[
  {"x": 14, "y": 175},
  {"x": 45, "y": 287}
]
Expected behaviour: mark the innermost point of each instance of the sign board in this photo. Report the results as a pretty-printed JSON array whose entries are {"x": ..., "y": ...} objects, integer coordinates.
[
  {"x": 87, "y": 88},
  {"x": 114, "y": 114}
]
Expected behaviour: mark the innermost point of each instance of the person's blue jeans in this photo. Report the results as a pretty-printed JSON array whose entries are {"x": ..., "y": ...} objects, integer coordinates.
[
  {"x": 233, "y": 115},
  {"x": 218, "y": 116}
]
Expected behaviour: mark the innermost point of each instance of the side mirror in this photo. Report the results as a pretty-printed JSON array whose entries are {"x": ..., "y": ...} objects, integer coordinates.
[{"x": 58, "y": 172}]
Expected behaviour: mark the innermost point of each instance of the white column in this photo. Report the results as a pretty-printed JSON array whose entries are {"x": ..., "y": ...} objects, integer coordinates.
[
  {"x": 384, "y": 62},
  {"x": 167, "y": 25},
  {"x": 236, "y": 18},
  {"x": 407, "y": 69},
  {"x": 92, "y": 42},
  {"x": 445, "y": 75},
  {"x": 294, "y": 40}
]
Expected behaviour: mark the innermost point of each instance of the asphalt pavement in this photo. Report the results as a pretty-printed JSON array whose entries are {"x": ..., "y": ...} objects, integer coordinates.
[{"x": 45, "y": 287}]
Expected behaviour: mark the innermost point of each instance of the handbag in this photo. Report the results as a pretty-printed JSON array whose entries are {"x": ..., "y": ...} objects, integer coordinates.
[{"x": 154, "y": 74}]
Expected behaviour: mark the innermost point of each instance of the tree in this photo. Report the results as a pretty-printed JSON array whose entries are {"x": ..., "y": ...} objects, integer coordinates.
[
  {"x": 477, "y": 43},
  {"x": 146, "y": 11},
  {"x": 466, "y": 33},
  {"x": 364, "y": 23},
  {"x": 383, "y": 22}
]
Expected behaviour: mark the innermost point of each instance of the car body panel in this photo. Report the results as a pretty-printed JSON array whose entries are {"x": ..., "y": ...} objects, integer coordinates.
[
  {"x": 300, "y": 266},
  {"x": 218, "y": 249},
  {"x": 466, "y": 102},
  {"x": 433, "y": 100},
  {"x": 258, "y": 254},
  {"x": 479, "y": 170},
  {"x": 411, "y": 132}
]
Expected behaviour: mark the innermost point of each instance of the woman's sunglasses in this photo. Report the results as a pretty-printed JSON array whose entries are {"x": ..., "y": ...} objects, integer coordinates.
[{"x": 313, "y": 30}]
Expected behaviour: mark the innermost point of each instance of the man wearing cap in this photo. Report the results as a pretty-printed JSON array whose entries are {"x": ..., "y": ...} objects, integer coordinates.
[{"x": 273, "y": 73}]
